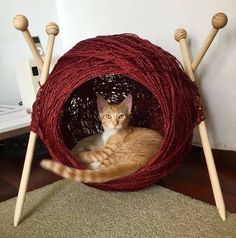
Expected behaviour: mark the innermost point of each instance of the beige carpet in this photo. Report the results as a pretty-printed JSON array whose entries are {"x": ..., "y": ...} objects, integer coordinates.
[{"x": 67, "y": 209}]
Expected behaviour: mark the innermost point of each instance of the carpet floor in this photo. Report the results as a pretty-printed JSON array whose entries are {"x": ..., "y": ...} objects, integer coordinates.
[{"x": 69, "y": 209}]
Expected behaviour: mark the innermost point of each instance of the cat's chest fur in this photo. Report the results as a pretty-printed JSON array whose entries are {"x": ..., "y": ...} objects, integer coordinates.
[{"x": 107, "y": 134}]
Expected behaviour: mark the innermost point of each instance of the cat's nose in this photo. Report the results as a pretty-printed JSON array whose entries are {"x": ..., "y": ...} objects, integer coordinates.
[{"x": 115, "y": 123}]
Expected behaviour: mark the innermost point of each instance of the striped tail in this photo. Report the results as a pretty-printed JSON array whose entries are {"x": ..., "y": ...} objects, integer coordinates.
[
  {"x": 60, "y": 169},
  {"x": 87, "y": 175}
]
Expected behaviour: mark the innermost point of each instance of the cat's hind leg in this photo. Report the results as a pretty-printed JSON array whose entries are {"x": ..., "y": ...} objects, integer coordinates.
[
  {"x": 91, "y": 156},
  {"x": 100, "y": 156}
]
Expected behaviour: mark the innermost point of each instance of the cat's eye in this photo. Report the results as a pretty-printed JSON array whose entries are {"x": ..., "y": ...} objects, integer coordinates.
[
  {"x": 108, "y": 116},
  {"x": 121, "y": 116}
]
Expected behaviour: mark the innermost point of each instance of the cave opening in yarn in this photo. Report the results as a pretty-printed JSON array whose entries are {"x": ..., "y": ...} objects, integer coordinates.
[{"x": 79, "y": 117}]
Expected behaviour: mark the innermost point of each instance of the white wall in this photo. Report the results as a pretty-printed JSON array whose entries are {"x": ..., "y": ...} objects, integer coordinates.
[
  {"x": 12, "y": 45},
  {"x": 155, "y": 20}
]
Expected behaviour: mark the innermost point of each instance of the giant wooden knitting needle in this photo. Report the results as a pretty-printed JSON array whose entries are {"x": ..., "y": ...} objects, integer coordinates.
[
  {"x": 218, "y": 21},
  {"x": 52, "y": 30},
  {"x": 21, "y": 23}
]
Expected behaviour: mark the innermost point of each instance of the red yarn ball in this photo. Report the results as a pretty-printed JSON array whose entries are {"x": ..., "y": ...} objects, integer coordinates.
[{"x": 113, "y": 66}]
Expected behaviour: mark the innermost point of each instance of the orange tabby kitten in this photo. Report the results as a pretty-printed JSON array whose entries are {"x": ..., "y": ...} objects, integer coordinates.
[{"x": 119, "y": 151}]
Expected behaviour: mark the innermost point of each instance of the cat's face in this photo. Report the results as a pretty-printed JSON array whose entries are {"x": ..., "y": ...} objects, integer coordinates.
[{"x": 114, "y": 116}]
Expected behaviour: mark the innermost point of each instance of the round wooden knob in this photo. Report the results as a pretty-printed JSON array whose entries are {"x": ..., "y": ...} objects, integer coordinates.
[
  {"x": 219, "y": 20},
  {"x": 180, "y": 34},
  {"x": 52, "y": 29},
  {"x": 20, "y": 22}
]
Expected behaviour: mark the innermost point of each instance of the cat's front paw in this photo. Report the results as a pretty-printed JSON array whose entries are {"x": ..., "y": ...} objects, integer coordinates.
[
  {"x": 94, "y": 165},
  {"x": 89, "y": 148}
]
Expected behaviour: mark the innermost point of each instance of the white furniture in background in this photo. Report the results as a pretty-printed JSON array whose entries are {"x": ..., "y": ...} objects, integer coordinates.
[
  {"x": 28, "y": 77},
  {"x": 14, "y": 120}
]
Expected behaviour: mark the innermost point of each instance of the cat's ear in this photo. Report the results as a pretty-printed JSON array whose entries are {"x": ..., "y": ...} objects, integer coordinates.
[
  {"x": 101, "y": 103},
  {"x": 128, "y": 101}
]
